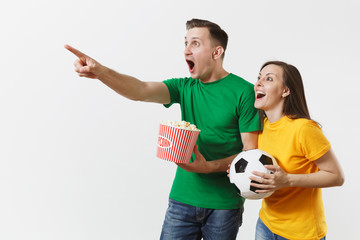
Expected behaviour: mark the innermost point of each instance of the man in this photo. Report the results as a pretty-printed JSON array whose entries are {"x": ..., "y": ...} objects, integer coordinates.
[{"x": 202, "y": 203}]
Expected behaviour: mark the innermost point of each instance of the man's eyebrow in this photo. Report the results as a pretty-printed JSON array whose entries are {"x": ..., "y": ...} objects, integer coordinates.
[{"x": 193, "y": 38}]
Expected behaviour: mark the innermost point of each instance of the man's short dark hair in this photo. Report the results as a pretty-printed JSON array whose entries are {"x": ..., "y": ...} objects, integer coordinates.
[{"x": 218, "y": 34}]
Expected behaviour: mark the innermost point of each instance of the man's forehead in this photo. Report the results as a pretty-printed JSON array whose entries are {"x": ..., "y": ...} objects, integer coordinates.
[{"x": 197, "y": 33}]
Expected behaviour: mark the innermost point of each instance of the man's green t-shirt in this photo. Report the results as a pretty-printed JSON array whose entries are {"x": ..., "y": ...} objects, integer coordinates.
[{"x": 221, "y": 110}]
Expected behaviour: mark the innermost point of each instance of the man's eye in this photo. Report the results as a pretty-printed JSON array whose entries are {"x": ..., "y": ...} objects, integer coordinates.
[{"x": 196, "y": 44}]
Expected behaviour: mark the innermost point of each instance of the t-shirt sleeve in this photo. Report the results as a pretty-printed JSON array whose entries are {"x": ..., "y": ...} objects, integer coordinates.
[
  {"x": 313, "y": 142},
  {"x": 173, "y": 86},
  {"x": 249, "y": 120}
]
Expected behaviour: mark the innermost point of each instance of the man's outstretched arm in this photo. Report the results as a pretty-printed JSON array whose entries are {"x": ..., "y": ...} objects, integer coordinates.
[{"x": 127, "y": 86}]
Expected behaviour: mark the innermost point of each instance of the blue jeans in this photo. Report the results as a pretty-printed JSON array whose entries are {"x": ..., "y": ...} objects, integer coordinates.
[
  {"x": 183, "y": 221},
  {"x": 264, "y": 233}
]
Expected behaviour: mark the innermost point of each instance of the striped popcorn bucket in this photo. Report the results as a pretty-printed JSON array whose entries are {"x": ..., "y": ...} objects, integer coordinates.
[{"x": 176, "y": 144}]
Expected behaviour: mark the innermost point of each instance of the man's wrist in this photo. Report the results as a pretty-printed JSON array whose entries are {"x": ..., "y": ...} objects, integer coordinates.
[{"x": 103, "y": 73}]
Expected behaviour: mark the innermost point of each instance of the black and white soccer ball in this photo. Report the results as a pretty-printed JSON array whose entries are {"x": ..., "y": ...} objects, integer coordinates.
[{"x": 241, "y": 168}]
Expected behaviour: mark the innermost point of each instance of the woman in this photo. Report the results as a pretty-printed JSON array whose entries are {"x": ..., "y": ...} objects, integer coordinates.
[{"x": 304, "y": 155}]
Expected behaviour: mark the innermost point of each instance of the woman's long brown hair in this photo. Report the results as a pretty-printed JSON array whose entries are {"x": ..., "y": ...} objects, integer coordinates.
[{"x": 295, "y": 104}]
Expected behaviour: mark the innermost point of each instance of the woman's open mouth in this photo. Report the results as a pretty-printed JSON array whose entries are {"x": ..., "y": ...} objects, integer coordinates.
[{"x": 260, "y": 95}]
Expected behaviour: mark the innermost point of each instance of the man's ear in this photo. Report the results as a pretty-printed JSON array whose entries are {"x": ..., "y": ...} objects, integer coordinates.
[
  {"x": 286, "y": 92},
  {"x": 218, "y": 52}
]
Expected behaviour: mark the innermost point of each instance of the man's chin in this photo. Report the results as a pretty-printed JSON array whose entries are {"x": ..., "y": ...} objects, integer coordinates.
[{"x": 194, "y": 76}]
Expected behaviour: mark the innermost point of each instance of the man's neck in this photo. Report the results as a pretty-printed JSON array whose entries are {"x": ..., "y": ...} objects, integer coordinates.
[{"x": 215, "y": 76}]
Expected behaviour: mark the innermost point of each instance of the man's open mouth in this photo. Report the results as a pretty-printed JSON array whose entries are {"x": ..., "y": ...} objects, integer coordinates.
[{"x": 191, "y": 65}]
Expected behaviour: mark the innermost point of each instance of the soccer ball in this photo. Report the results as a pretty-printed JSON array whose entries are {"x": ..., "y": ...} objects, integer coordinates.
[{"x": 241, "y": 168}]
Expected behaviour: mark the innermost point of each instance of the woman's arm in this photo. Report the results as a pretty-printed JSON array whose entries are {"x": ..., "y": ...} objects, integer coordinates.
[{"x": 330, "y": 174}]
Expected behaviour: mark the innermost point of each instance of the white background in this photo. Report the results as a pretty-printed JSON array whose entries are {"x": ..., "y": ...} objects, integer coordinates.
[{"x": 77, "y": 161}]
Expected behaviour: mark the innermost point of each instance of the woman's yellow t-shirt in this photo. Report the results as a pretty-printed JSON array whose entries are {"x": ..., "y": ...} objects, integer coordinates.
[{"x": 294, "y": 212}]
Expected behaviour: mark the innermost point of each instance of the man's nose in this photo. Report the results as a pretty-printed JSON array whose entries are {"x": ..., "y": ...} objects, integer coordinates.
[{"x": 187, "y": 50}]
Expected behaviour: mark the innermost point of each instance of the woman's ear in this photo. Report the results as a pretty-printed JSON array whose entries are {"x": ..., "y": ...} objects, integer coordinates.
[
  {"x": 286, "y": 92},
  {"x": 219, "y": 50}
]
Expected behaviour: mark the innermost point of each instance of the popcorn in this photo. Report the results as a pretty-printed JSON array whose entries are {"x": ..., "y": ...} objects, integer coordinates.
[
  {"x": 176, "y": 141},
  {"x": 180, "y": 124}
]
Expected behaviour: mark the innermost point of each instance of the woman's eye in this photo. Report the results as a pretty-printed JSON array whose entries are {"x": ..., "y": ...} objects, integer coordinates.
[
  {"x": 269, "y": 79},
  {"x": 196, "y": 43}
]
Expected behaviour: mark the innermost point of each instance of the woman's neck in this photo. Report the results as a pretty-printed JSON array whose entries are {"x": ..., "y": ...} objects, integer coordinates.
[{"x": 274, "y": 115}]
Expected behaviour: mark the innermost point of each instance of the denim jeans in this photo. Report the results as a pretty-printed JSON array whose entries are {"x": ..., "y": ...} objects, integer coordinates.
[
  {"x": 264, "y": 233},
  {"x": 183, "y": 221}
]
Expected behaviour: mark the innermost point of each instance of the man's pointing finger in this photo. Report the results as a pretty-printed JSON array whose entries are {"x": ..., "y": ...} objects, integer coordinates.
[{"x": 75, "y": 51}]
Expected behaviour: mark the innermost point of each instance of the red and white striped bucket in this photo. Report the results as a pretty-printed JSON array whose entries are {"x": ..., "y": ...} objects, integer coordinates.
[{"x": 176, "y": 144}]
